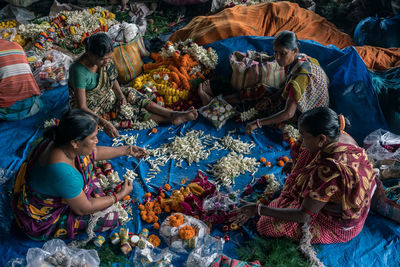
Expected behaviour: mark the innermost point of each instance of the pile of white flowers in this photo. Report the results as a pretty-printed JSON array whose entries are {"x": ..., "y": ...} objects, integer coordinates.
[
  {"x": 231, "y": 166},
  {"x": 236, "y": 145}
]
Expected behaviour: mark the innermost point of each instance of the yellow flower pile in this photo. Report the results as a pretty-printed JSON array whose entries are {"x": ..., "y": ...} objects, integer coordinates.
[{"x": 161, "y": 79}]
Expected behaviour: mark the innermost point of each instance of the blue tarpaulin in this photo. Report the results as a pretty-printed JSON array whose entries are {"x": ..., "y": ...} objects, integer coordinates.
[{"x": 376, "y": 245}]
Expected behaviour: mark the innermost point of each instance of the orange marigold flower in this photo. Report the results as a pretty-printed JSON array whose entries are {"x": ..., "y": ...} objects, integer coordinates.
[{"x": 263, "y": 160}]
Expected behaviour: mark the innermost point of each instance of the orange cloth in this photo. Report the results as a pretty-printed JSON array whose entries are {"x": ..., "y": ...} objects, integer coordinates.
[
  {"x": 378, "y": 58},
  {"x": 265, "y": 19},
  {"x": 268, "y": 19}
]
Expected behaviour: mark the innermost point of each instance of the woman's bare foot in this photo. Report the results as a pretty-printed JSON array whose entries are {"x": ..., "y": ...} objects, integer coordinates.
[
  {"x": 183, "y": 116},
  {"x": 203, "y": 91}
]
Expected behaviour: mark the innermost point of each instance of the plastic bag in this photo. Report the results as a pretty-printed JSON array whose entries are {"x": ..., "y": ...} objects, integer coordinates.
[
  {"x": 23, "y": 3},
  {"x": 124, "y": 32},
  {"x": 186, "y": 235},
  {"x": 219, "y": 202},
  {"x": 218, "y": 111},
  {"x": 56, "y": 253},
  {"x": 206, "y": 253},
  {"x": 382, "y": 145},
  {"x": 147, "y": 255},
  {"x": 52, "y": 69},
  {"x": 22, "y": 15}
]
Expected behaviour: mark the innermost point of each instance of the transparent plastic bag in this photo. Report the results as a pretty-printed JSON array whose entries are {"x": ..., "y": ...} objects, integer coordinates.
[
  {"x": 147, "y": 255},
  {"x": 218, "y": 111},
  {"x": 56, "y": 253},
  {"x": 171, "y": 234},
  {"x": 52, "y": 69},
  {"x": 206, "y": 253},
  {"x": 382, "y": 145},
  {"x": 220, "y": 202}
]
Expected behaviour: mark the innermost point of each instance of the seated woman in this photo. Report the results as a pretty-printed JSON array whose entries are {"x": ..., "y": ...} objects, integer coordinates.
[
  {"x": 56, "y": 190},
  {"x": 94, "y": 88},
  {"x": 19, "y": 92},
  {"x": 306, "y": 85},
  {"x": 330, "y": 185}
]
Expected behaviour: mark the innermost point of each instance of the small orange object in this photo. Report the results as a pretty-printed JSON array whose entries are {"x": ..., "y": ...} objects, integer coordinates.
[
  {"x": 126, "y": 197},
  {"x": 141, "y": 207},
  {"x": 156, "y": 226},
  {"x": 267, "y": 164},
  {"x": 147, "y": 195},
  {"x": 281, "y": 163},
  {"x": 186, "y": 232},
  {"x": 167, "y": 187},
  {"x": 155, "y": 240},
  {"x": 291, "y": 140},
  {"x": 154, "y": 130},
  {"x": 285, "y": 159},
  {"x": 263, "y": 160}
]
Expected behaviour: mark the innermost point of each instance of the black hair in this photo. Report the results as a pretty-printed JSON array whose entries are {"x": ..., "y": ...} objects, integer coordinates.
[
  {"x": 76, "y": 124},
  {"x": 99, "y": 44},
  {"x": 287, "y": 39},
  {"x": 322, "y": 120}
]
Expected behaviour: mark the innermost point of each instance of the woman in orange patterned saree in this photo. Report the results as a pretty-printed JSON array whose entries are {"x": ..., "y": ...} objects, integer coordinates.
[{"x": 330, "y": 185}]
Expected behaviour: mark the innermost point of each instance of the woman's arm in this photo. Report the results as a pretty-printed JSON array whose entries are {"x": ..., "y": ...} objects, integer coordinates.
[
  {"x": 106, "y": 152},
  {"x": 301, "y": 215},
  {"x": 81, "y": 205},
  {"x": 118, "y": 93},
  {"x": 287, "y": 113}
]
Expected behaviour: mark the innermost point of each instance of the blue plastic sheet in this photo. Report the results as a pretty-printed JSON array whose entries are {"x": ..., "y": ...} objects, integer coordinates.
[
  {"x": 351, "y": 92},
  {"x": 377, "y": 245}
]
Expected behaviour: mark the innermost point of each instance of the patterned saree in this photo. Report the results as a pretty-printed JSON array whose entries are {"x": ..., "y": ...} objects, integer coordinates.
[
  {"x": 42, "y": 216},
  {"x": 102, "y": 99},
  {"x": 339, "y": 175}
]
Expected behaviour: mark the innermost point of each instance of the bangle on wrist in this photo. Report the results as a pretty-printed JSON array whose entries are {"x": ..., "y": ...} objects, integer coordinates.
[
  {"x": 258, "y": 123},
  {"x": 115, "y": 197},
  {"x": 259, "y": 205}
]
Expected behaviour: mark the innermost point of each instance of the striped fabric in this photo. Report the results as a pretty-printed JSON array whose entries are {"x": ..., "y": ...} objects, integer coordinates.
[
  {"x": 16, "y": 79},
  {"x": 253, "y": 68},
  {"x": 127, "y": 59}
]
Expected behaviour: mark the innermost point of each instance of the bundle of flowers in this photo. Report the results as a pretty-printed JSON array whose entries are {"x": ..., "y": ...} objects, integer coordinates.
[
  {"x": 67, "y": 28},
  {"x": 232, "y": 3},
  {"x": 170, "y": 76}
]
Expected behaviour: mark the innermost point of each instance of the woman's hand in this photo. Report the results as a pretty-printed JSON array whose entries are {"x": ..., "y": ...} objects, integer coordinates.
[
  {"x": 122, "y": 101},
  {"x": 287, "y": 168},
  {"x": 126, "y": 188},
  {"x": 250, "y": 127},
  {"x": 244, "y": 213},
  {"x": 110, "y": 130},
  {"x": 136, "y": 152}
]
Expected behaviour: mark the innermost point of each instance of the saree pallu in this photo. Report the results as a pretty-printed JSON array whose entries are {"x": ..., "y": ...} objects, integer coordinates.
[
  {"x": 307, "y": 83},
  {"x": 102, "y": 99},
  {"x": 340, "y": 174},
  {"x": 42, "y": 216}
]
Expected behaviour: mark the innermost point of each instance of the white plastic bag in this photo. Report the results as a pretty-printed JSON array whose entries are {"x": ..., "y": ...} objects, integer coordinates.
[
  {"x": 124, "y": 32},
  {"x": 147, "y": 255},
  {"x": 382, "y": 145},
  {"x": 206, "y": 253},
  {"x": 55, "y": 253}
]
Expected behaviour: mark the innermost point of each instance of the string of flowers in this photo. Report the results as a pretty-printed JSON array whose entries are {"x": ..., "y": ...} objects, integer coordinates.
[
  {"x": 232, "y": 3},
  {"x": 169, "y": 77},
  {"x": 67, "y": 28}
]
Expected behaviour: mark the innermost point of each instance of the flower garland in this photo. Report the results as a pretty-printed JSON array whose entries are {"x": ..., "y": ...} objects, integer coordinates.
[
  {"x": 248, "y": 114},
  {"x": 232, "y": 3},
  {"x": 174, "y": 67},
  {"x": 67, "y": 28}
]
